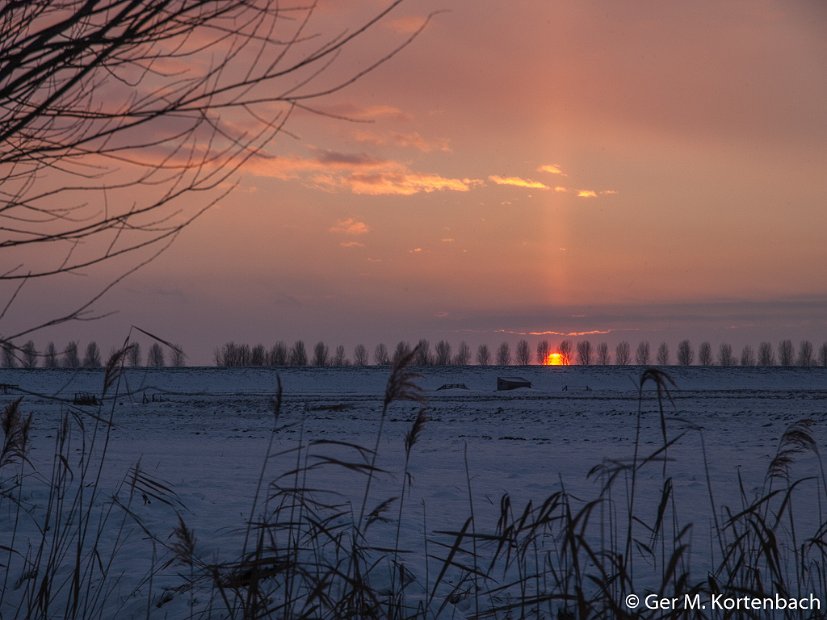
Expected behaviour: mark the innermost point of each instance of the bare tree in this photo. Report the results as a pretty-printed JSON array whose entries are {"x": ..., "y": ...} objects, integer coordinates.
[
  {"x": 483, "y": 355},
  {"x": 747, "y": 356},
  {"x": 663, "y": 354},
  {"x": 133, "y": 356},
  {"x": 177, "y": 359},
  {"x": 340, "y": 357},
  {"x": 9, "y": 359},
  {"x": 114, "y": 115},
  {"x": 50, "y": 357},
  {"x": 725, "y": 357},
  {"x": 604, "y": 358},
  {"x": 402, "y": 350},
  {"x": 806, "y": 358},
  {"x": 221, "y": 355},
  {"x": 584, "y": 353},
  {"x": 705, "y": 354},
  {"x": 279, "y": 355},
  {"x": 504, "y": 355},
  {"x": 29, "y": 353},
  {"x": 155, "y": 357},
  {"x": 92, "y": 357},
  {"x": 71, "y": 358},
  {"x": 258, "y": 355},
  {"x": 685, "y": 353},
  {"x": 565, "y": 352},
  {"x": 229, "y": 355},
  {"x": 423, "y": 353},
  {"x": 543, "y": 351},
  {"x": 642, "y": 353},
  {"x": 9, "y": 355},
  {"x": 822, "y": 355},
  {"x": 766, "y": 356},
  {"x": 360, "y": 355},
  {"x": 523, "y": 356},
  {"x": 320, "y": 355},
  {"x": 298, "y": 354},
  {"x": 463, "y": 355},
  {"x": 623, "y": 353},
  {"x": 380, "y": 355},
  {"x": 442, "y": 353},
  {"x": 786, "y": 353}
]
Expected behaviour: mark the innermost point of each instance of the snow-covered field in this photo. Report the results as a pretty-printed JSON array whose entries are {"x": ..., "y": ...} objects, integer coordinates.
[{"x": 202, "y": 433}]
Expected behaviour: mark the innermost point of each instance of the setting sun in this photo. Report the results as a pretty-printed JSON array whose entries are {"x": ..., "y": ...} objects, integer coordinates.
[{"x": 554, "y": 359}]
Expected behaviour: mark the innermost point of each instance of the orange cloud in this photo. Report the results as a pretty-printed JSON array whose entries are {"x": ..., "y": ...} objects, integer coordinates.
[
  {"x": 351, "y": 244},
  {"x": 590, "y": 193},
  {"x": 552, "y": 169},
  {"x": 350, "y": 226},
  {"x": 292, "y": 167},
  {"x": 402, "y": 182},
  {"x": 357, "y": 172},
  {"x": 517, "y": 182},
  {"x": 548, "y": 332}
]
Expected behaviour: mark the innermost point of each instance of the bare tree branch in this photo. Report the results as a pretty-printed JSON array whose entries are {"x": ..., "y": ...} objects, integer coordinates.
[{"x": 114, "y": 114}]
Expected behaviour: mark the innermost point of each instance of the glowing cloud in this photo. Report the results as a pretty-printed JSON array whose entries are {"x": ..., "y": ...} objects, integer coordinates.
[
  {"x": 403, "y": 183},
  {"x": 517, "y": 182},
  {"x": 548, "y": 332},
  {"x": 358, "y": 173},
  {"x": 552, "y": 169},
  {"x": 590, "y": 193},
  {"x": 350, "y": 226}
]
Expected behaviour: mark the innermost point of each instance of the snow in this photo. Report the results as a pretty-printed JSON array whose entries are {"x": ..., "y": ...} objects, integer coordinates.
[{"x": 203, "y": 432}]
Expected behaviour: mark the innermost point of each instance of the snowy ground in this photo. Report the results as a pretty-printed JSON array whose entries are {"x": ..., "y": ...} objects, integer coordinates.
[{"x": 203, "y": 432}]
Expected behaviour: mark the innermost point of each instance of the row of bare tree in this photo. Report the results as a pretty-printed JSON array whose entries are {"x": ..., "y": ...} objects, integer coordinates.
[
  {"x": 581, "y": 352},
  {"x": 567, "y": 352},
  {"x": 28, "y": 356}
]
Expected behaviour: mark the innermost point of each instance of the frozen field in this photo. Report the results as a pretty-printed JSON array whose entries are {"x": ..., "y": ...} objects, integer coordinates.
[{"x": 202, "y": 433}]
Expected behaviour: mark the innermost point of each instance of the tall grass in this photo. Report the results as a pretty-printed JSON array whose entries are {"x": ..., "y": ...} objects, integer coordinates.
[
  {"x": 307, "y": 550},
  {"x": 61, "y": 566}
]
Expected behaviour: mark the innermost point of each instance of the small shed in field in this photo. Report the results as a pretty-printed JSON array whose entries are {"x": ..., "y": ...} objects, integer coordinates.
[{"x": 512, "y": 383}]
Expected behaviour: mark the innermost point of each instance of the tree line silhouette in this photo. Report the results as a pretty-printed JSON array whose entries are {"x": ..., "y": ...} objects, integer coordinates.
[
  {"x": 297, "y": 354},
  {"x": 581, "y": 352},
  {"x": 70, "y": 356}
]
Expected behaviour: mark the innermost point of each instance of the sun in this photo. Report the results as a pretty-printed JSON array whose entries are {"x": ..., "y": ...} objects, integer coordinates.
[{"x": 554, "y": 359}]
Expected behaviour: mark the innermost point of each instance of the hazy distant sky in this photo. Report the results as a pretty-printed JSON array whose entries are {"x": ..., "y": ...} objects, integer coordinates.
[{"x": 639, "y": 169}]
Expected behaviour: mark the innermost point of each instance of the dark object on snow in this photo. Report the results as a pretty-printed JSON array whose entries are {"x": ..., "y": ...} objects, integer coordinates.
[
  {"x": 585, "y": 388},
  {"x": 453, "y": 386},
  {"x": 512, "y": 383},
  {"x": 85, "y": 399}
]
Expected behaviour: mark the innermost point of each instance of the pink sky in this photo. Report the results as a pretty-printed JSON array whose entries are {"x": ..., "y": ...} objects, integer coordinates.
[{"x": 640, "y": 169}]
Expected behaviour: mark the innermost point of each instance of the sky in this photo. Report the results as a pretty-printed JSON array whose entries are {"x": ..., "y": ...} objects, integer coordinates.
[{"x": 524, "y": 169}]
